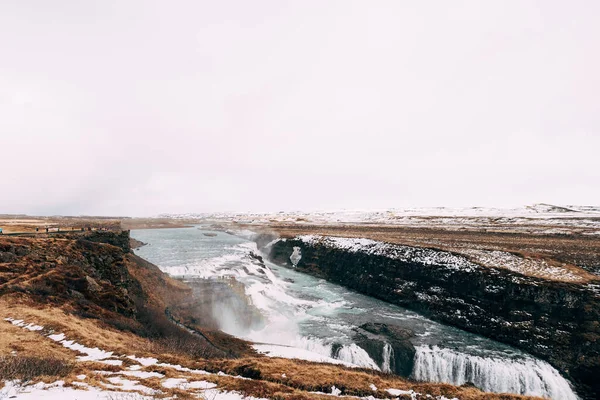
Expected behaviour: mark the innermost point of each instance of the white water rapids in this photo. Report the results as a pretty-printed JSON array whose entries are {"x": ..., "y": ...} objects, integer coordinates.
[{"x": 305, "y": 317}]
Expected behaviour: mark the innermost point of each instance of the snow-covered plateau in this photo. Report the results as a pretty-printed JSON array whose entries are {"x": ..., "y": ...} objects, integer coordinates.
[{"x": 538, "y": 218}]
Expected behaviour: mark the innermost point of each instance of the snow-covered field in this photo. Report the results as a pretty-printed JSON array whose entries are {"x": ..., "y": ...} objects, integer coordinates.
[
  {"x": 539, "y": 218},
  {"x": 467, "y": 260},
  {"x": 398, "y": 252},
  {"x": 121, "y": 387},
  {"x": 526, "y": 266}
]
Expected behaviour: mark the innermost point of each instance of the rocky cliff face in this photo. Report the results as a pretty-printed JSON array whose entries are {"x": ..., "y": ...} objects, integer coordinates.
[
  {"x": 93, "y": 275},
  {"x": 556, "y": 321},
  {"x": 80, "y": 269},
  {"x": 118, "y": 239},
  {"x": 389, "y": 346}
]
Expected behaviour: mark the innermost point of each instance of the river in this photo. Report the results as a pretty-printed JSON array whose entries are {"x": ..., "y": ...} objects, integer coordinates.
[{"x": 314, "y": 316}]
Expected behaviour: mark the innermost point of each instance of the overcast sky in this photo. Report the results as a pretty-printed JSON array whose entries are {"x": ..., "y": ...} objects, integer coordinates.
[{"x": 138, "y": 107}]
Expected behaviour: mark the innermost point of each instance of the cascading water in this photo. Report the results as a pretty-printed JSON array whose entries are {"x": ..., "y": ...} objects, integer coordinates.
[
  {"x": 528, "y": 377},
  {"x": 297, "y": 311},
  {"x": 388, "y": 356},
  {"x": 355, "y": 355},
  {"x": 349, "y": 354}
]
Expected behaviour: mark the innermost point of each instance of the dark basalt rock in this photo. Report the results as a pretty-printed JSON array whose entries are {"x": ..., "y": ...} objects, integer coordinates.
[
  {"x": 6, "y": 257},
  {"x": 136, "y": 244},
  {"x": 119, "y": 239},
  {"x": 555, "y": 321},
  {"x": 372, "y": 337},
  {"x": 10, "y": 253},
  {"x": 335, "y": 349},
  {"x": 391, "y": 331},
  {"x": 256, "y": 257}
]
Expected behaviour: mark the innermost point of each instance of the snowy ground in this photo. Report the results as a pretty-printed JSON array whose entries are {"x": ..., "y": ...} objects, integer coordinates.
[
  {"x": 538, "y": 218},
  {"x": 122, "y": 386},
  {"x": 273, "y": 350},
  {"x": 526, "y": 266},
  {"x": 468, "y": 259},
  {"x": 119, "y": 381}
]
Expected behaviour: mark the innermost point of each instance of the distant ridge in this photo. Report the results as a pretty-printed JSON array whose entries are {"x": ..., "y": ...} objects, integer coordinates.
[{"x": 549, "y": 208}]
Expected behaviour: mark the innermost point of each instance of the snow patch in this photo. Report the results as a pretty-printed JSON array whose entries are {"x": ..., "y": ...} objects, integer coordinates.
[
  {"x": 141, "y": 374},
  {"x": 397, "y": 252},
  {"x": 525, "y": 266},
  {"x": 272, "y": 350},
  {"x": 56, "y": 391},
  {"x": 182, "y": 383},
  {"x": 398, "y": 392},
  {"x": 126, "y": 384},
  {"x": 145, "y": 361},
  {"x": 183, "y": 369},
  {"x": 57, "y": 337},
  {"x": 91, "y": 354},
  {"x": 22, "y": 324},
  {"x": 112, "y": 362}
]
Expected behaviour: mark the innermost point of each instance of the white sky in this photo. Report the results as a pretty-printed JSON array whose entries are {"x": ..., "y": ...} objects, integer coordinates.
[{"x": 141, "y": 107}]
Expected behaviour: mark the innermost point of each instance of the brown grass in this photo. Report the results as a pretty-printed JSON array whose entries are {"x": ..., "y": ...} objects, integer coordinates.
[
  {"x": 303, "y": 376},
  {"x": 28, "y": 368},
  {"x": 20, "y": 223},
  {"x": 89, "y": 332}
]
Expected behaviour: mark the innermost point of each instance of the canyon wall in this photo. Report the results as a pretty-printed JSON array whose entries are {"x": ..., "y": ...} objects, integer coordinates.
[{"x": 556, "y": 321}]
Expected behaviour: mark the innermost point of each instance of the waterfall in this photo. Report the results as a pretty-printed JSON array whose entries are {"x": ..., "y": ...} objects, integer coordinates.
[
  {"x": 353, "y": 354},
  {"x": 525, "y": 376},
  {"x": 348, "y": 353},
  {"x": 313, "y": 345},
  {"x": 296, "y": 256},
  {"x": 388, "y": 356}
]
